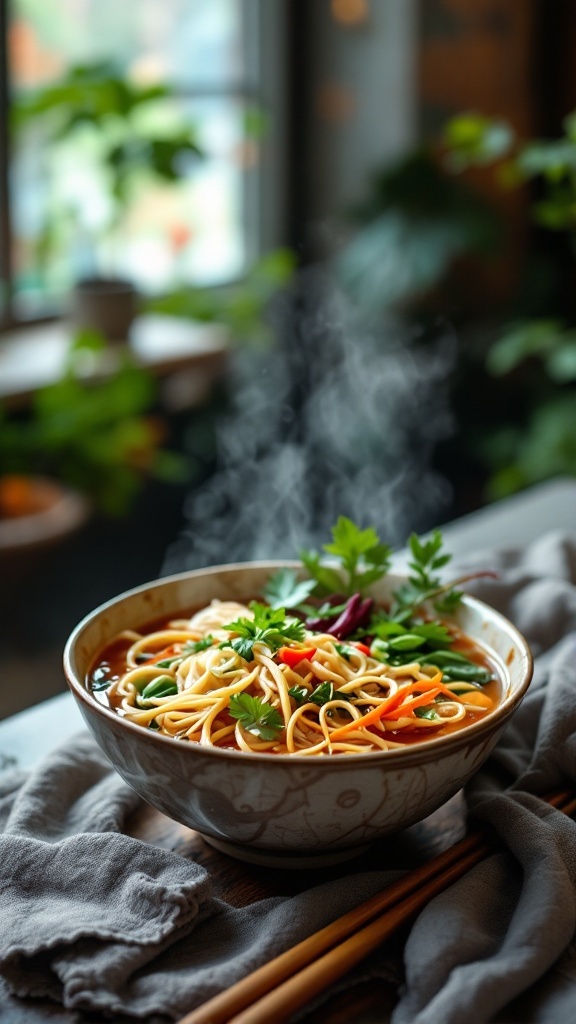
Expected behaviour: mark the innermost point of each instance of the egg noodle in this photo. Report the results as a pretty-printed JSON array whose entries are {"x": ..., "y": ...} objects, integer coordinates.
[{"x": 370, "y": 706}]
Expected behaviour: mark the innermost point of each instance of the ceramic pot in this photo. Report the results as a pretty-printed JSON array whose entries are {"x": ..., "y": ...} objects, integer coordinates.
[{"x": 106, "y": 305}]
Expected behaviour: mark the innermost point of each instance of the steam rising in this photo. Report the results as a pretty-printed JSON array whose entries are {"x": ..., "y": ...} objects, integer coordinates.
[{"x": 333, "y": 420}]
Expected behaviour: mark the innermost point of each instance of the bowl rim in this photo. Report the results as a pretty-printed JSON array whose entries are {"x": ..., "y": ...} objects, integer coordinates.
[{"x": 413, "y": 754}]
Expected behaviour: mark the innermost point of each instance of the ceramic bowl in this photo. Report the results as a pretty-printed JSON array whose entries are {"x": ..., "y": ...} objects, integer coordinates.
[{"x": 288, "y": 810}]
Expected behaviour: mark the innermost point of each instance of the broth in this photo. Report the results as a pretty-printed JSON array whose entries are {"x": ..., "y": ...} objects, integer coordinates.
[{"x": 311, "y": 696}]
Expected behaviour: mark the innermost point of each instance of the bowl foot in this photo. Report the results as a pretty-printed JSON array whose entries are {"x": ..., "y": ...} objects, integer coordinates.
[{"x": 286, "y": 858}]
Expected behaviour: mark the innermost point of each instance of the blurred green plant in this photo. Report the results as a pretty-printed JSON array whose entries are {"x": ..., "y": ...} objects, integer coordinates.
[
  {"x": 241, "y": 307},
  {"x": 95, "y": 95},
  {"x": 474, "y": 140},
  {"x": 92, "y": 434},
  {"x": 123, "y": 131},
  {"x": 543, "y": 349}
]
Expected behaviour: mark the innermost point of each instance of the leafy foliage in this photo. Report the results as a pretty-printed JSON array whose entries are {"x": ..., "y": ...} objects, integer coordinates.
[
  {"x": 240, "y": 307},
  {"x": 472, "y": 139},
  {"x": 538, "y": 442},
  {"x": 270, "y": 626},
  {"x": 96, "y": 438},
  {"x": 363, "y": 560},
  {"x": 96, "y": 96},
  {"x": 423, "y": 581},
  {"x": 285, "y": 590},
  {"x": 256, "y": 716}
]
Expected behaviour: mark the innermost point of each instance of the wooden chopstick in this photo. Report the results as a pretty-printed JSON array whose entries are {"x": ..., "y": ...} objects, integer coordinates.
[{"x": 277, "y": 989}]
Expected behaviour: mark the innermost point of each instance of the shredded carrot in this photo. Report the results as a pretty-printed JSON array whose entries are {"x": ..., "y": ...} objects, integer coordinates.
[
  {"x": 416, "y": 702},
  {"x": 383, "y": 709},
  {"x": 166, "y": 652}
]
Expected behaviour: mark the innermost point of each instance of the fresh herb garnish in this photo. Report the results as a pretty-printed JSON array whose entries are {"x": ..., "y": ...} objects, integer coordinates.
[
  {"x": 270, "y": 626},
  {"x": 325, "y": 692},
  {"x": 427, "y": 712},
  {"x": 345, "y": 651},
  {"x": 195, "y": 646},
  {"x": 363, "y": 560},
  {"x": 423, "y": 583},
  {"x": 190, "y": 647},
  {"x": 299, "y": 693},
  {"x": 285, "y": 590},
  {"x": 101, "y": 680},
  {"x": 256, "y": 716}
]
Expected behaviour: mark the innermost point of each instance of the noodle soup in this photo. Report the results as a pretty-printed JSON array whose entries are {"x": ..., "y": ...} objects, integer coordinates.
[
  {"x": 262, "y": 805},
  {"x": 197, "y": 679}
]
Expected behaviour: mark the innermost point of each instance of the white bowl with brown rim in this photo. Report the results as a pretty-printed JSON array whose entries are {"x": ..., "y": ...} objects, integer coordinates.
[{"x": 286, "y": 809}]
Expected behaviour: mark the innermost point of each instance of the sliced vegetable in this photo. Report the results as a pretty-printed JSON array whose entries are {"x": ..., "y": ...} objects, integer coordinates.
[
  {"x": 163, "y": 686},
  {"x": 381, "y": 710},
  {"x": 355, "y": 616},
  {"x": 423, "y": 699},
  {"x": 292, "y": 656}
]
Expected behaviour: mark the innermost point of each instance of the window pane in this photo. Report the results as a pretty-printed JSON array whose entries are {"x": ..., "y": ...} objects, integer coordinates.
[
  {"x": 187, "y": 42},
  {"x": 67, "y": 220}
]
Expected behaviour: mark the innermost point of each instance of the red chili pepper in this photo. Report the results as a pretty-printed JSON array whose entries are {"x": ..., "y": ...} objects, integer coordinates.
[
  {"x": 362, "y": 647},
  {"x": 292, "y": 656}
]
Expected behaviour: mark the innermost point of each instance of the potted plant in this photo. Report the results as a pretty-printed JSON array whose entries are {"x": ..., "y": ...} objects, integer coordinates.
[
  {"x": 535, "y": 353},
  {"x": 116, "y": 134},
  {"x": 88, "y": 440}
]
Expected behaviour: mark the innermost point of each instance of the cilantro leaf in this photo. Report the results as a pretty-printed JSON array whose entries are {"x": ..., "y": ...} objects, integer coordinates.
[
  {"x": 270, "y": 626},
  {"x": 285, "y": 590},
  {"x": 363, "y": 559},
  {"x": 256, "y": 716}
]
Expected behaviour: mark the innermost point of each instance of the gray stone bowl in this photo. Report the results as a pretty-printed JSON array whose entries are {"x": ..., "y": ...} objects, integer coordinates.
[{"x": 286, "y": 810}]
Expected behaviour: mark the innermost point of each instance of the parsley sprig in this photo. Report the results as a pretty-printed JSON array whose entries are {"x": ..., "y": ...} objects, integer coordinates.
[
  {"x": 256, "y": 716},
  {"x": 270, "y": 626},
  {"x": 362, "y": 556},
  {"x": 424, "y": 583},
  {"x": 285, "y": 590}
]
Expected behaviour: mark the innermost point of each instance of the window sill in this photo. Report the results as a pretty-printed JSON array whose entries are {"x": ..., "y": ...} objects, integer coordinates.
[{"x": 189, "y": 356}]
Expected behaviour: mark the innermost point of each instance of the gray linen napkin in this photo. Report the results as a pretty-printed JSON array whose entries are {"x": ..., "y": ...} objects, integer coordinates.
[
  {"x": 103, "y": 922},
  {"x": 498, "y": 945}
]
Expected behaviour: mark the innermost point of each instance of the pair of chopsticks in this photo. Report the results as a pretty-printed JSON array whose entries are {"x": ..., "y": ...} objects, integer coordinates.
[{"x": 277, "y": 989}]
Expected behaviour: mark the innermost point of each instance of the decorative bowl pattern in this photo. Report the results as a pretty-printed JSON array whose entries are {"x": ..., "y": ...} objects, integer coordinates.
[{"x": 285, "y": 809}]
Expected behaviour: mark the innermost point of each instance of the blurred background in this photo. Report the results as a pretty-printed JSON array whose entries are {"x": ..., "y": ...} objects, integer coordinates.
[{"x": 263, "y": 263}]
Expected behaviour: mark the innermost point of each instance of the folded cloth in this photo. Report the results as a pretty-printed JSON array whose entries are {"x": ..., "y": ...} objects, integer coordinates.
[
  {"x": 498, "y": 945},
  {"x": 103, "y": 922}
]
